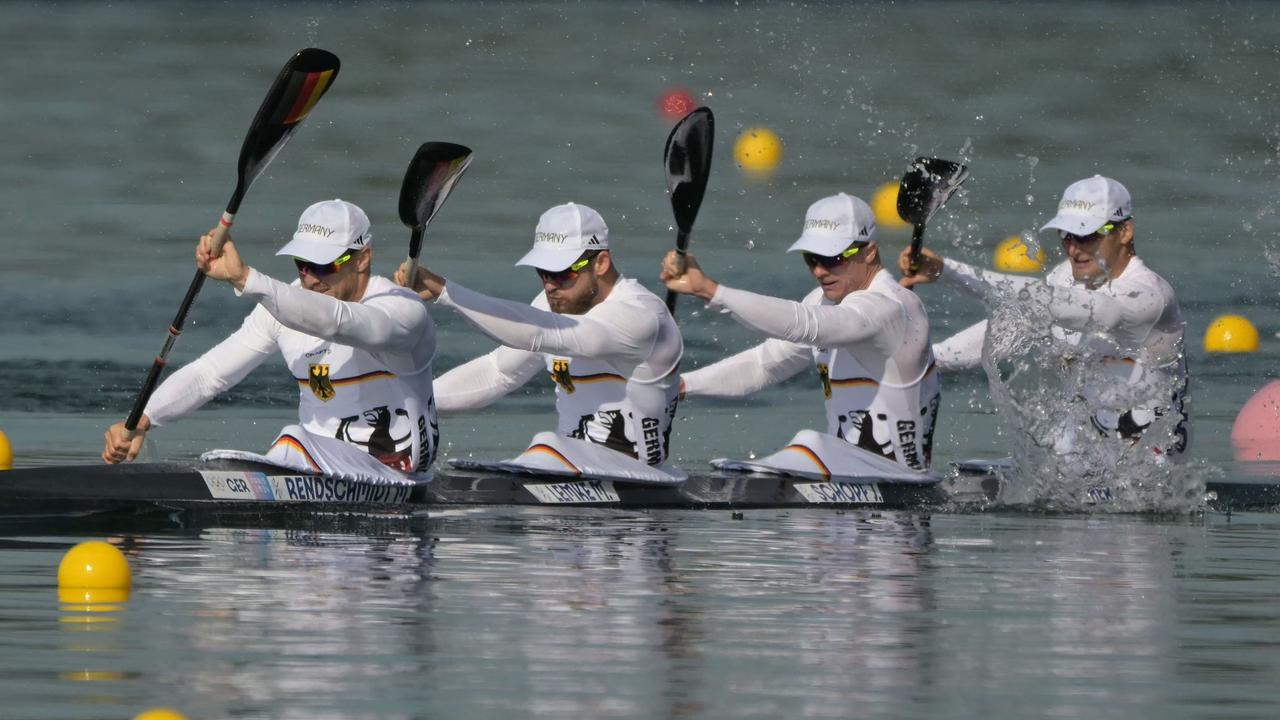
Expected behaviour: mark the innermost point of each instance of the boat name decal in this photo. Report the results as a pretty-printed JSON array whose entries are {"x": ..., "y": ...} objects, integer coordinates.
[
  {"x": 837, "y": 492},
  {"x": 251, "y": 486},
  {"x": 580, "y": 491},
  {"x": 312, "y": 488}
]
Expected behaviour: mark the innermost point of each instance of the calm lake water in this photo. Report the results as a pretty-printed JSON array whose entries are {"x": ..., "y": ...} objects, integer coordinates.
[{"x": 122, "y": 123}]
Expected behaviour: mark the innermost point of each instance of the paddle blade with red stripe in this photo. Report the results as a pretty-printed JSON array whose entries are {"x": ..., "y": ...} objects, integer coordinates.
[{"x": 301, "y": 83}]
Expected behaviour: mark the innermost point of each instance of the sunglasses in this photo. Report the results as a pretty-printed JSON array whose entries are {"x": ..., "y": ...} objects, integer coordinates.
[
  {"x": 830, "y": 261},
  {"x": 319, "y": 270},
  {"x": 560, "y": 277},
  {"x": 1091, "y": 237}
]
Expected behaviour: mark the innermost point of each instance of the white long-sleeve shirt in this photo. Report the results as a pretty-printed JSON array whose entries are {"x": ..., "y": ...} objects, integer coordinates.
[
  {"x": 363, "y": 368},
  {"x": 871, "y": 351},
  {"x": 614, "y": 366}
]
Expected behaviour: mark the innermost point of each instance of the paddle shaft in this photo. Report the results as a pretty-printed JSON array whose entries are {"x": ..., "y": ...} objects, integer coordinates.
[
  {"x": 415, "y": 249},
  {"x": 175, "y": 328},
  {"x": 682, "y": 247},
  {"x": 917, "y": 241}
]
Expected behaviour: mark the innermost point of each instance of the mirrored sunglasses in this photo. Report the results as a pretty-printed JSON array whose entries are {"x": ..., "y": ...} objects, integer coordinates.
[
  {"x": 1091, "y": 237},
  {"x": 560, "y": 277},
  {"x": 830, "y": 261},
  {"x": 322, "y": 270}
]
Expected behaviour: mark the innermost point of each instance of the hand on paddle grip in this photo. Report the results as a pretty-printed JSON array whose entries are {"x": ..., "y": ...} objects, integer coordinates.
[
  {"x": 225, "y": 265},
  {"x": 120, "y": 445},
  {"x": 682, "y": 274},
  {"x": 930, "y": 267},
  {"x": 427, "y": 284}
]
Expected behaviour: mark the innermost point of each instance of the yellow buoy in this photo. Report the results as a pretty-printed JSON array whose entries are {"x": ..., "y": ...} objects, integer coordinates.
[
  {"x": 6, "y": 453},
  {"x": 1014, "y": 255},
  {"x": 160, "y": 714},
  {"x": 1231, "y": 334},
  {"x": 757, "y": 151},
  {"x": 94, "y": 565},
  {"x": 885, "y": 205},
  {"x": 92, "y": 599}
]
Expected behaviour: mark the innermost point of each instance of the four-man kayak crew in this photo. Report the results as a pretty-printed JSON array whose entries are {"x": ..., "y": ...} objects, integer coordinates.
[
  {"x": 610, "y": 346},
  {"x": 868, "y": 337},
  {"x": 1103, "y": 297},
  {"x": 360, "y": 347}
]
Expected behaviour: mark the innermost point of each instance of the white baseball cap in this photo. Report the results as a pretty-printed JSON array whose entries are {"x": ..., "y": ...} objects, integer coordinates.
[
  {"x": 565, "y": 232},
  {"x": 328, "y": 229},
  {"x": 1089, "y": 204},
  {"x": 833, "y": 224}
]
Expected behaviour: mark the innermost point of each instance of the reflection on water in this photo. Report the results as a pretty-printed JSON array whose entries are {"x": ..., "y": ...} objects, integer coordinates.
[{"x": 664, "y": 614}]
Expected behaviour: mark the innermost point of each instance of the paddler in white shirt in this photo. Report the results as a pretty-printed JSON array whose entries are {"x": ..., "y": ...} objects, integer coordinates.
[
  {"x": 360, "y": 347},
  {"x": 1103, "y": 297},
  {"x": 609, "y": 345},
  {"x": 867, "y": 336}
]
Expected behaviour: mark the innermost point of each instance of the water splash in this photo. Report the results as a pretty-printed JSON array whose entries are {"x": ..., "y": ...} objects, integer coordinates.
[{"x": 1063, "y": 407}]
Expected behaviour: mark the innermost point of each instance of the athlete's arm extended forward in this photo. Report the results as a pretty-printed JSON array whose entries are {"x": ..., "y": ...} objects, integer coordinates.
[
  {"x": 1073, "y": 307},
  {"x": 613, "y": 331},
  {"x": 753, "y": 369},
  {"x": 479, "y": 382},
  {"x": 860, "y": 318},
  {"x": 382, "y": 322},
  {"x": 214, "y": 372},
  {"x": 196, "y": 383},
  {"x": 963, "y": 350}
]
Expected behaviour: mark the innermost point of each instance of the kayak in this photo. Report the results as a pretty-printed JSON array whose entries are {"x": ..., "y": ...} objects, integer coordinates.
[
  {"x": 228, "y": 486},
  {"x": 231, "y": 485}
]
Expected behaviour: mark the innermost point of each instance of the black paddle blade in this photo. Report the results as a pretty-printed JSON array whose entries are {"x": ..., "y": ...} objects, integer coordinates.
[
  {"x": 688, "y": 162},
  {"x": 300, "y": 85},
  {"x": 926, "y": 187},
  {"x": 434, "y": 170}
]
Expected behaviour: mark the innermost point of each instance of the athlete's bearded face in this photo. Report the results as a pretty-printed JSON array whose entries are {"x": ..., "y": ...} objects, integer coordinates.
[
  {"x": 572, "y": 292},
  {"x": 1101, "y": 256},
  {"x": 840, "y": 276},
  {"x": 346, "y": 283}
]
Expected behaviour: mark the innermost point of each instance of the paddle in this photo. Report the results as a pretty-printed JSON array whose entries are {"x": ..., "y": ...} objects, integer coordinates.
[
  {"x": 925, "y": 188},
  {"x": 434, "y": 170},
  {"x": 300, "y": 85},
  {"x": 688, "y": 162}
]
